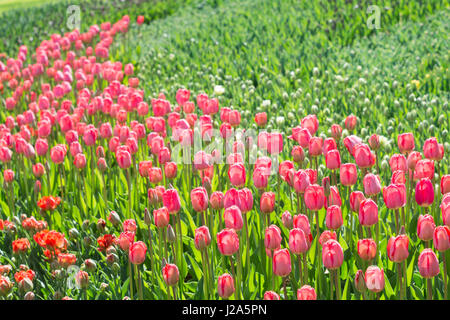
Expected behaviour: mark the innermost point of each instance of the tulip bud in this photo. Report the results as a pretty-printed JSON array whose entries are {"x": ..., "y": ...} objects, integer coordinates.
[
  {"x": 114, "y": 218},
  {"x": 90, "y": 265},
  {"x": 147, "y": 217},
  {"x": 171, "y": 274},
  {"x": 73, "y": 233},
  {"x": 82, "y": 279},
  {"x": 374, "y": 277},
  {"x": 428, "y": 264},
  {"x": 287, "y": 220},
  {"x": 281, "y": 262},
  {"x": 359, "y": 281},
  {"x": 225, "y": 286},
  {"x": 326, "y": 186},
  {"x": 29, "y": 296},
  {"x": 441, "y": 238},
  {"x": 306, "y": 293},
  {"x": 170, "y": 234},
  {"x": 101, "y": 224},
  {"x": 271, "y": 295}
]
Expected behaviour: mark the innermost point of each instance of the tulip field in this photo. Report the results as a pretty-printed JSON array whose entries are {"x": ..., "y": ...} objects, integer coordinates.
[{"x": 225, "y": 149}]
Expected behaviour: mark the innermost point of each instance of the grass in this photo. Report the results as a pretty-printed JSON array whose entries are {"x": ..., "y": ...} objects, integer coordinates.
[{"x": 6, "y": 5}]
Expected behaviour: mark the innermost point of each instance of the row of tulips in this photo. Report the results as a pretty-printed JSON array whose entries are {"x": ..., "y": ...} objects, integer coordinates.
[{"x": 81, "y": 142}]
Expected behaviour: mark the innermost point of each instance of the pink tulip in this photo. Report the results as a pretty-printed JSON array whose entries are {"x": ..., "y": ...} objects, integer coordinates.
[
  {"x": 281, "y": 262},
  {"x": 272, "y": 238},
  {"x": 225, "y": 286},
  {"x": 425, "y": 227},
  {"x": 428, "y": 264},
  {"x": 202, "y": 238},
  {"x": 227, "y": 242},
  {"x": 314, "y": 197},
  {"x": 306, "y": 293},
  {"x": 374, "y": 277},
  {"x": 267, "y": 203},
  {"x": 368, "y": 213},
  {"x": 371, "y": 184},
  {"x": 441, "y": 238},
  {"x": 298, "y": 241},
  {"x": 348, "y": 174},
  {"x": 405, "y": 142},
  {"x": 397, "y": 248},
  {"x": 136, "y": 252},
  {"x": 171, "y": 274},
  {"x": 424, "y": 192},
  {"x": 332, "y": 254},
  {"x": 334, "y": 217},
  {"x": 199, "y": 199},
  {"x": 171, "y": 200},
  {"x": 394, "y": 196},
  {"x": 236, "y": 174},
  {"x": 233, "y": 218},
  {"x": 367, "y": 249}
]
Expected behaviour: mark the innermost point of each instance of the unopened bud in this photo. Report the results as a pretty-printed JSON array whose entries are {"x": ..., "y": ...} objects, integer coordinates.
[
  {"x": 29, "y": 296},
  {"x": 326, "y": 186},
  {"x": 114, "y": 218},
  {"x": 287, "y": 219},
  {"x": 90, "y": 265},
  {"x": 104, "y": 286},
  {"x": 26, "y": 285},
  {"x": 360, "y": 283},
  {"x": 87, "y": 241},
  {"x": 147, "y": 217},
  {"x": 101, "y": 224},
  {"x": 73, "y": 233},
  {"x": 85, "y": 225},
  {"x": 170, "y": 234}
]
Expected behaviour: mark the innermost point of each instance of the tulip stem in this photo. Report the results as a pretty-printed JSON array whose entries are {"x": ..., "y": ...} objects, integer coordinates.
[
  {"x": 429, "y": 288},
  {"x": 130, "y": 278},
  {"x": 305, "y": 270},
  {"x": 239, "y": 274},
  {"x": 331, "y": 285},
  {"x": 338, "y": 284},
  {"x": 284, "y": 288},
  {"x": 397, "y": 224},
  {"x": 211, "y": 273},
  {"x": 400, "y": 283},
  {"x": 129, "y": 192},
  {"x": 444, "y": 272},
  {"x": 150, "y": 246},
  {"x": 205, "y": 276},
  {"x": 139, "y": 280},
  {"x": 300, "y": 270},
  {"x": 247, "y": 243}
]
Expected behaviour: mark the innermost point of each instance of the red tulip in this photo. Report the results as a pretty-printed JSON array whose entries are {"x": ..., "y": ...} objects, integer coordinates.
[
  {"x": 314, "y": 197},
  {"x": 298, "y": 241},
  {"x": 325, "y": 236},
  {"x": 424, "y": 192},
  {"x": 311, "y": 123},
  {"x": 272, "y": 238},
  {"x": 336, "y": 131},
  {"x": 405, "y": 142},
  {"x": 355, "y": 200},
  {"x": 171, "y": 200},
  {"x": 236, "y": 174},
  {"x": 274, "y": 143},
  {"x": 332, "y": 254},
  {"x": 306, "y": 293},
  {"x": 371, "y": 184},
  {"x": 398, "y": 162},
  {"x": 364, "y": 158},
  {"x": 301, "y": 221},
  {"x": 170, "y": 170},
  {"x": 425, "y": 227},
  {"x": 202, "y": 238},
  {"x": 333, "y": 159},
  {"x": 374, "y": 277},
  {"x": 271, "y": 295},
  {"x": 298, "y": 154},
  {"x": 394, "y": 196},
  {"x": 199, "y": 199},
  {"x": 350, "y": 142},
  {"x": 261, "y": 119},
  {"x": 171, "y": 274},
  {"x": 397, "y": 248},
  {"x": 428, "y": 264},
  {"x": 360, "y": 282},
  {"x": 424, "y": 169},
  {"x": 227, "y": 242},
  {"x": 125, "y": 240},
  {"x": 350, "y": 122},
  {"x": 368, "y": 213},
  {"x": 374, "y": 142},
  {"x": 431, "y": 149},
  {"x": 441, "y": 238},
  {"x": 261, "y": 177},
  {"x": 161, "y": 217},
  {"x": 245, "y": 202},
  {"x": 301, "y": 181},
  {"x": 80, "y": 161},
  {"x": 136, "y": 252},
  {"x": 412, "y": 159},
  {"x": 334, "y": 217},
  {"x": 225, "y": 286},
  {"x": 8, "y": 175},
  {"x": 315, "y": 146},
  {"x": 445, "y": 184},
  {"x": 398, "y": 177},
  {"x": 281, "y": 262},
  {"x": 233, "y": 218},
  {"x": 267, "y": 202},
  {"x": 367, "y": 249},
  {"x": 445, "y": 209},
  {"x": 348, "y": 174},
  {"x": 216, "y": 200},
  {"x": 288, "y": 221}
]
